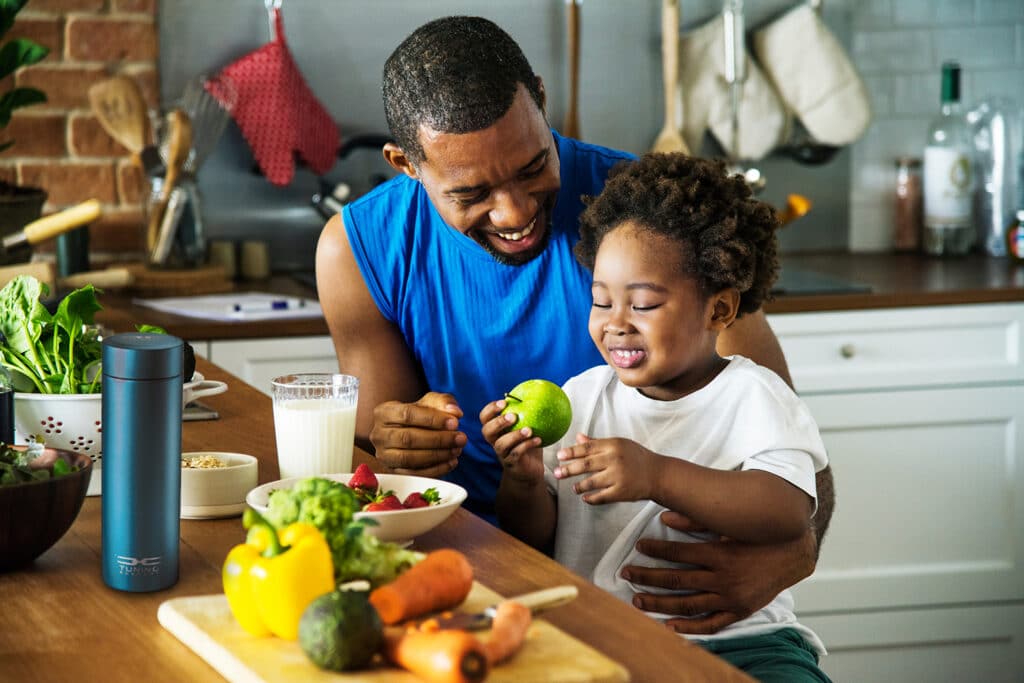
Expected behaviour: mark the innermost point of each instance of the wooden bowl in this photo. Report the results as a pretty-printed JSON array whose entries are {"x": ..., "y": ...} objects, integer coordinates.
[{"x": 35, "y": 515}]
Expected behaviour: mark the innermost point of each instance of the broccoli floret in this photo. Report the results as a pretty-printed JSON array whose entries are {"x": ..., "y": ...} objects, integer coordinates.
[{"x": 329, "y": 506}]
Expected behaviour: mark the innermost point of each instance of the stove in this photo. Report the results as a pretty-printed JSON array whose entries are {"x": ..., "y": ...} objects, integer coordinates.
[{"x": 798, "y": 282}]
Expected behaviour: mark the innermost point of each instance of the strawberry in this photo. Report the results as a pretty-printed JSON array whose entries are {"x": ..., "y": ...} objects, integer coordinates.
[
  {"x": 364, "y": 479},
  {"x": 422, "y": 500},
  {"x": 388, "y": 502}
]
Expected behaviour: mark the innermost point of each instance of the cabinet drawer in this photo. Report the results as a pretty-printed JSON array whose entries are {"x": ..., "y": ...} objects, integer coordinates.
[
  {"x": 258, "y": 361},
  {"x": 929, "y": 488},
  {"x": 978, "y": 643},
  {"x": 903, "y": 347}
]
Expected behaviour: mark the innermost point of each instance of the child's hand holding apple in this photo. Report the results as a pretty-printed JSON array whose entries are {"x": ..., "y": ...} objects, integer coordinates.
[{"x": 534, "y": 414}]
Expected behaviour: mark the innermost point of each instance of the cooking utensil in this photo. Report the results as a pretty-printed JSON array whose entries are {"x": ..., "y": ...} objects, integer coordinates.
[
  {"x": 670, "y": 139},
  {"x": 179, "y": 143},
  {"x": 571, "y": 127},
  {"x": 120, "y": 108},
  {"x": 536, "y": 601},
  {"x": 50, "y": 226},
  {"x": 46, "y": 272},
  {"x": 332, "y": 197},
  {"x": 735, "y": 75},
  {"x": 797, "y": 205},
  {"x": 803, "y": 148},
  {"x": 209, "y": 116}
]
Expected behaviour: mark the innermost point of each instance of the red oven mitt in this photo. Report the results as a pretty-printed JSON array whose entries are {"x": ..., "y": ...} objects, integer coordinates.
[{"x": 277, "y": 112}]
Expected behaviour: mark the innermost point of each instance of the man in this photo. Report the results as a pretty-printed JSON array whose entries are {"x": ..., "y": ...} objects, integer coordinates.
[{"x": 454, "y": 281}]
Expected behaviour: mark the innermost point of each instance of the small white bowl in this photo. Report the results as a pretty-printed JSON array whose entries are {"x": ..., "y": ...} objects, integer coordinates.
[
  {"x": 214, "y": 492},
  {"x": 396, "y": 526}
]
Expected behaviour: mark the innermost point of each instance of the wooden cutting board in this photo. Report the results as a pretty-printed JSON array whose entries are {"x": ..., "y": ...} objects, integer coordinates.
[{"x": 204, "y": 623}]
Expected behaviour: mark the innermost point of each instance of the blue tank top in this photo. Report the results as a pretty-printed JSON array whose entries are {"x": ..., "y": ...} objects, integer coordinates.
[{"x": 478, "y": 327}]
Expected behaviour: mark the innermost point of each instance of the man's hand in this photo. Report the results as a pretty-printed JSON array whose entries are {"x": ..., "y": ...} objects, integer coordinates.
[
  {"x": 420, "y": 438},
  {"x": 734, "y": 579}
]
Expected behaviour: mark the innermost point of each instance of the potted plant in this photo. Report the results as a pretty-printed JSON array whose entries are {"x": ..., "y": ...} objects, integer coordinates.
[{"x": 18, "y": 205}]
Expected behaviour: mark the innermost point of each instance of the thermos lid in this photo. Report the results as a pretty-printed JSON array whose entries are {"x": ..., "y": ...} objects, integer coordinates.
[{"x": 143, "y": 355}]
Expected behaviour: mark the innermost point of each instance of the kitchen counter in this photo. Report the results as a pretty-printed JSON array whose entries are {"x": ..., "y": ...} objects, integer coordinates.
[
  {"x": 892, "y": 280},
  {"x": 60, "y": 622},
  {"x": 897, "y": 280}
]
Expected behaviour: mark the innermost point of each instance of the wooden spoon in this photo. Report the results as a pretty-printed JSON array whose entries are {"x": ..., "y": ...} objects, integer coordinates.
[
  {"x": 670, "y": 139},
  {"x": 179, "y": 142},
  {"x": 571, "y": 128},
  {"x": 118, "y": 105}
]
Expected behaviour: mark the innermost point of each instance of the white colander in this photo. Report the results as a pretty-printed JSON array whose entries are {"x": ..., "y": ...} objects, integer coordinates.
[{"x": 73, "y": 422}]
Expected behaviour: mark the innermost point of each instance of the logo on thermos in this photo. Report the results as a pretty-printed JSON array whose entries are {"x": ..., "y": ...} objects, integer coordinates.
[{"x": 139, "y": 566}]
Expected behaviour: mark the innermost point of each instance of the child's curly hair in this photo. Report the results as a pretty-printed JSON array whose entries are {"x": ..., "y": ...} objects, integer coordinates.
[{"x": 730, "y": 235}]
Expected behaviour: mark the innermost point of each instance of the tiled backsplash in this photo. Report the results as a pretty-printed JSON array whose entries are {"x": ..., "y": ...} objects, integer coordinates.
[{"x": 899, "y": 47}]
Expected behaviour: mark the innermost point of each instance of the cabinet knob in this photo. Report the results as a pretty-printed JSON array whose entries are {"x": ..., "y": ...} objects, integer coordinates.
[{"x": 847, "y": 351}]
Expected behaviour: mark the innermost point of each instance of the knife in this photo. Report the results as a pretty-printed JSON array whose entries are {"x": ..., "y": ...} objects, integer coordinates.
[{"x": 537, "y": 601}]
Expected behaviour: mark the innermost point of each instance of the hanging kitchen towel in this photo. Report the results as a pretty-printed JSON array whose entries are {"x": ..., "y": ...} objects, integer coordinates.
[
  {"x": 814, "y": 76},
  {"x": 708, "y": 102},
  {"x": 277, "y": 112}
]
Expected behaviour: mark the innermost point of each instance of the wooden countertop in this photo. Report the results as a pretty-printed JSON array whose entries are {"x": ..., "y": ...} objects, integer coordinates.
[
  {"x": 60, "y": 622},
  {"x": 894, "y": 279},
  {"x": 904, "y": 280}
]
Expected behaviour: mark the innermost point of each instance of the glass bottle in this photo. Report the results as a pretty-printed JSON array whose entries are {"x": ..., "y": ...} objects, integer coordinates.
[
  {"x": 949, "y": 174},
  {"x": 1015, "y": 238},
  {"x": 907, "y": 208}
]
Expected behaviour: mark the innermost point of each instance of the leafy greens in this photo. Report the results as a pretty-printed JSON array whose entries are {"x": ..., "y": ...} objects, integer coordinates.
[
  {"x": 329, "y": 506},
  {"x": 54, "y": 352}
]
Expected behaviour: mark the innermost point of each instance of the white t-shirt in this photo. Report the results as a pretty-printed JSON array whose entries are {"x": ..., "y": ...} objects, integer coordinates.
[{"x": 746, "y": 418}]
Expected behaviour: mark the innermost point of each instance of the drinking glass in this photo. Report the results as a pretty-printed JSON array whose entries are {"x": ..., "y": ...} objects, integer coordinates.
[{"x": 314, "y": 423}]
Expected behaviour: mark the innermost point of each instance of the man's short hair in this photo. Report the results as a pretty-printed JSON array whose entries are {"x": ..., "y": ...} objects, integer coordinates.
[{"x": 453, "y": 75}]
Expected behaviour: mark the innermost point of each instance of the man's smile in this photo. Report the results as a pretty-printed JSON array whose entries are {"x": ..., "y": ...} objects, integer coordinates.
[{"x": 518, "y": 235}]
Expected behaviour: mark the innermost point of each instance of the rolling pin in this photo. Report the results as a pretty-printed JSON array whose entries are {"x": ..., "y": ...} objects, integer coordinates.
[{"x": 114, "y": 277}]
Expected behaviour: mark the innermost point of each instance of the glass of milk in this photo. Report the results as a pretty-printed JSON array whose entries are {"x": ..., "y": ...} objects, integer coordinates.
[{"x": 315, "y": 423}]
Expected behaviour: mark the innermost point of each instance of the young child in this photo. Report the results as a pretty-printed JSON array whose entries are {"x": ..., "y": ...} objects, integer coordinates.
[{"x": 678, "y": 250}]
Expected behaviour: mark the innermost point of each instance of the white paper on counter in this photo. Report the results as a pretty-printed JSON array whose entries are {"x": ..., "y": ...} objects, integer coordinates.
[{"x": 254, "y": 305}]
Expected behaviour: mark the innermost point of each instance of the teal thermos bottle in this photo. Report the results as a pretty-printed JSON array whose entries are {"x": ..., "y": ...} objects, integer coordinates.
[{"x": 141, "y": 497}]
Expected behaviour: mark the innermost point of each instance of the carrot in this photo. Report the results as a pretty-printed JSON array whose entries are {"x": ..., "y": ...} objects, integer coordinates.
[
  {"x": 445, "y": 656},
  {"x": 439, "y": 581},
  {"x": 508, "y": 631}
]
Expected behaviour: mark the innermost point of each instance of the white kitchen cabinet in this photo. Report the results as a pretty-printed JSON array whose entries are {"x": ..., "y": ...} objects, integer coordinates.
[
  {"x": 921, "y": 576},
  {"x": 258, "y": 361}
]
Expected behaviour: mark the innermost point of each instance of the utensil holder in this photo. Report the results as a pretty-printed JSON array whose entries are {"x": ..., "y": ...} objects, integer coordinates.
[{"x": 181, "y": 242}]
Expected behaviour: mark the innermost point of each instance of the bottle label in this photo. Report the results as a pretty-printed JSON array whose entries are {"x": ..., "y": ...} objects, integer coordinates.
[
  {"x": 948, "y": 183},
  {"x": 1015, "y": 243}
]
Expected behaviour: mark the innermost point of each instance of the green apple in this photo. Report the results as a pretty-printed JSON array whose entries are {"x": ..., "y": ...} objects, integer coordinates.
[{"x": 542, "y": 406}]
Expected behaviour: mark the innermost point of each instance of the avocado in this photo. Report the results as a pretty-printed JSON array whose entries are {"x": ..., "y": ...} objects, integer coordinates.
[{"x": 341, "y": 630}]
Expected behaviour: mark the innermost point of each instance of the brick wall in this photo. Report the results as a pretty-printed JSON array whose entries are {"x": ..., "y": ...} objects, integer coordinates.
[{"x": 60, "y": 146}]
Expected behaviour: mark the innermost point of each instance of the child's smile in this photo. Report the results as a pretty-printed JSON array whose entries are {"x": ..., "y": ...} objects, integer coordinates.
[{"x": 649, "y": 318}]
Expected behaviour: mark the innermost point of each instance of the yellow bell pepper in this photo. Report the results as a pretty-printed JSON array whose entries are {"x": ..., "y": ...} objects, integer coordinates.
[{"x": 271, "y": 578}]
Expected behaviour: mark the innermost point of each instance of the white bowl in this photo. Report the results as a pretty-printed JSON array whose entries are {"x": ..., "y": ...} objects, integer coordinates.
[
  {"x": 397, "y": 526},
  {"x": 73, "y": 422},
  {"x": 214, "y": 492}
]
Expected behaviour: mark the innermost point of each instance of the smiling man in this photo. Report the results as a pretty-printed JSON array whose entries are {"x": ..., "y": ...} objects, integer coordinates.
[{"x": 454, "y": 281}]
